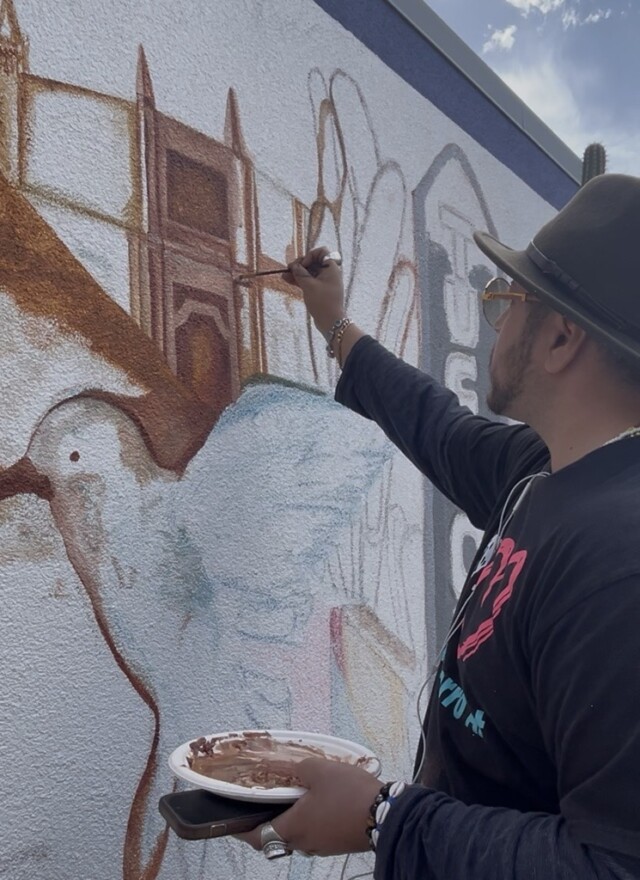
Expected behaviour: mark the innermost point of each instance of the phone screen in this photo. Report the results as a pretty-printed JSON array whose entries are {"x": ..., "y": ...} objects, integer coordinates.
[{"x": 199, "y": 814}]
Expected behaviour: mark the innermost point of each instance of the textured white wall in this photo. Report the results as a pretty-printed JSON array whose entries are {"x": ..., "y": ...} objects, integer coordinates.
[{"x": 220, "y": 590}]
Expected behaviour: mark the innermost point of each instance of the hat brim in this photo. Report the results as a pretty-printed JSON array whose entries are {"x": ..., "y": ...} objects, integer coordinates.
[{"x": 522, "y": 269}]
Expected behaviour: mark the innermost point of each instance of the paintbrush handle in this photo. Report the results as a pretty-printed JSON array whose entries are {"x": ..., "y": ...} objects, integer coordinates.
[
  {"x": 268, "y": 272},
  {"x": 334, "y": 255}
]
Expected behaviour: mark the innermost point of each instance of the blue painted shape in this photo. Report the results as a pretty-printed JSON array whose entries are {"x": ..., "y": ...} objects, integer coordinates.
[
  {"x": 401, "y": 47},
  {"x": 279, "y": 481}
]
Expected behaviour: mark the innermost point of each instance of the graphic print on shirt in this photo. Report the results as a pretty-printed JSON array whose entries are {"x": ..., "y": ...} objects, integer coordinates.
[
  {"x": 452, "y": 697},
  {"x": 501, "y": 573}
]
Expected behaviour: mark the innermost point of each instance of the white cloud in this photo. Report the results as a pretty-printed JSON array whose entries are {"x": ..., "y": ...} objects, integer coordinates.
[
  {"x": 570, "y": 17},
  {"x": 595, "y": 17},
  {"x": 543, "y": 6},
  {"x": 503, "y": 39},
  {"x": 545, "y": 90}
]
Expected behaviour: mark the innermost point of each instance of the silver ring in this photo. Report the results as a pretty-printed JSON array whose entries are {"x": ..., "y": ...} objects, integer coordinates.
[
  {"x": 275, "y": 850},
  {"x": 335, "y": 256},
  {"x": 273, "y": 846}
]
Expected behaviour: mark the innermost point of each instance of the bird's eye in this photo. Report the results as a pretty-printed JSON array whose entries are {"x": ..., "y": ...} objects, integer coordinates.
[{"x": 75, "y": 456}]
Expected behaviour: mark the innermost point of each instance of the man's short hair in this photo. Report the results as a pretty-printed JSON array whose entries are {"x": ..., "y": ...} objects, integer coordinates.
[{"x": 624, "y": 366}]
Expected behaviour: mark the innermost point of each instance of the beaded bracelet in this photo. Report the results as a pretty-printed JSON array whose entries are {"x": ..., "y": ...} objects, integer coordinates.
[
  {"x": 338, "y": 343},
  {"x": 379, "y": 810},
  {"x": 338, "y": 328},
  {"x": 331, "y": 332}
]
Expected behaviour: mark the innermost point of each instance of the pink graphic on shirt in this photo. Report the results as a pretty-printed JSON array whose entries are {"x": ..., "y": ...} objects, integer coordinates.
[{"x": 509, "y": 565}]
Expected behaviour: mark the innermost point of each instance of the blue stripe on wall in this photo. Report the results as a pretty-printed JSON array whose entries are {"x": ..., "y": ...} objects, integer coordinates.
[{"x": 401, "y": 47}]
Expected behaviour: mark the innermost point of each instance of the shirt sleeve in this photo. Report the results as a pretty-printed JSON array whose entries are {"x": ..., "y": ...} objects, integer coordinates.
[
  {"x": 471, "y": 459},
  {"x": 430, "y": 836},
  {"x": 584, "y": 671}
]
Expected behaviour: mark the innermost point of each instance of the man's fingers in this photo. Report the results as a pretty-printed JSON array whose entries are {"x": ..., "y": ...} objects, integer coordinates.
[
  {"x": 285, "y": 825},
  {"x": 330, "y": 272},
  {"x": 296, "y": 268},
  {"x": 281, "y": 825},
  {"x": 250, "y": 837},
  {"x": 313, "y": 264},
  {"x": 282, "y": 768},
  {"x": 296, "y": 273},
  {"x": 310, "y": 770},
  {"x": 315, "y": 257}
]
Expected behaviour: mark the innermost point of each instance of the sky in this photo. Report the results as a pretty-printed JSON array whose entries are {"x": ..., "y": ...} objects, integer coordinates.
[{"x": 575, "y": 63}]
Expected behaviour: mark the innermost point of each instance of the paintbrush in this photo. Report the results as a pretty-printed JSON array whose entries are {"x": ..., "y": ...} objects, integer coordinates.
[{"x": 334, "y": 255}]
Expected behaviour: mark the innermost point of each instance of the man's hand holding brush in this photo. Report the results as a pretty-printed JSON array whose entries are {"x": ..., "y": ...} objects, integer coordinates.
[{"x": 320, "y": 279}]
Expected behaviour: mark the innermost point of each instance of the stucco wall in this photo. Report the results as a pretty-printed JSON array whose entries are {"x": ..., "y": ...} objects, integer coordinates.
[{"x": 215, "y": 543}]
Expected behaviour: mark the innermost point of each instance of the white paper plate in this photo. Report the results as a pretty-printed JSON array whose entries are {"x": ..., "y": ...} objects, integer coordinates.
[{"x": 332, "y": 745}]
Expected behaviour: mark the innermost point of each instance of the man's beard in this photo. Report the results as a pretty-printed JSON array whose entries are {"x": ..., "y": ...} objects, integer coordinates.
[{"x": 515, "y": 364}]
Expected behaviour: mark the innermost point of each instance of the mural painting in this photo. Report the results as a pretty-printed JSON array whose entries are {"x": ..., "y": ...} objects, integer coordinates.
[
  {"x": 206, "y": 537},
  {"x": 447, "y": 270}
]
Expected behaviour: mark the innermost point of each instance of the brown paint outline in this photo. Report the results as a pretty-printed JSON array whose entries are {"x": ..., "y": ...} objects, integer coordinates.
[
  {"x": 132, "y": 855},
  {"x": 45, "y": 280}
]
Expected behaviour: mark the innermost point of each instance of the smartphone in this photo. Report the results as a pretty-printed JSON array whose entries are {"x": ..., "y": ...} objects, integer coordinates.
[{"x": 200, "y": 815}]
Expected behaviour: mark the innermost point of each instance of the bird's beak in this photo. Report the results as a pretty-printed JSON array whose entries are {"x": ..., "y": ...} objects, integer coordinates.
[{"x": 22, "y": 478}]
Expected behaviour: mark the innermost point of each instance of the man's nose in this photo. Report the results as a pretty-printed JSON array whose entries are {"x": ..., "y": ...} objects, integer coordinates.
[{"x": 500, "y": 321}]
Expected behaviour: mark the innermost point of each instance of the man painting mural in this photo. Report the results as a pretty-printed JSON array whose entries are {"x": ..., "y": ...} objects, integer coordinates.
[{"x": 528, "y": 765}]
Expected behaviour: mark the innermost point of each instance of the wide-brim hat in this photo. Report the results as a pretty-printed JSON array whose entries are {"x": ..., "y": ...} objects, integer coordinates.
[{"x": 585, "y": 262}]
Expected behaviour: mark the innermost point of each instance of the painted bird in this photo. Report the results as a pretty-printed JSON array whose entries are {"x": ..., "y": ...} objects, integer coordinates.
[{"x": 184, "y": 574}]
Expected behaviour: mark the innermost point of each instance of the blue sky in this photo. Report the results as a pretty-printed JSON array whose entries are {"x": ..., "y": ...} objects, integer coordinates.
[{"x": 576, "y": 63}]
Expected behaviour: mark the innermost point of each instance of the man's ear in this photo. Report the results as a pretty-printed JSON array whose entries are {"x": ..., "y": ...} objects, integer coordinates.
[{"x": 564, "y": 342}]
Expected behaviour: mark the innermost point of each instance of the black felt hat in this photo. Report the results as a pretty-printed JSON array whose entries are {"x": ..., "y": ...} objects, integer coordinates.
[{"x": 585, "y": 262}]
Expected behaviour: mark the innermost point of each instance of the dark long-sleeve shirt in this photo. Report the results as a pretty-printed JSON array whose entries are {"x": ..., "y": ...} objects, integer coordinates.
[{"x": 532, "y": 764}]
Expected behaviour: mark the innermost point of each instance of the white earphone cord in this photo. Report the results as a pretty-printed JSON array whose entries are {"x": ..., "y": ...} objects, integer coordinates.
[
  {"x": 457, "y": 623},
  {"x": 502, "y": 524},
  {"x": 455, "y": 626}
]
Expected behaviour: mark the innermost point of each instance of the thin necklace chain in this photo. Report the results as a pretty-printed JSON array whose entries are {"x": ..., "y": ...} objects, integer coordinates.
[{"x": 630, "y": 432}]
